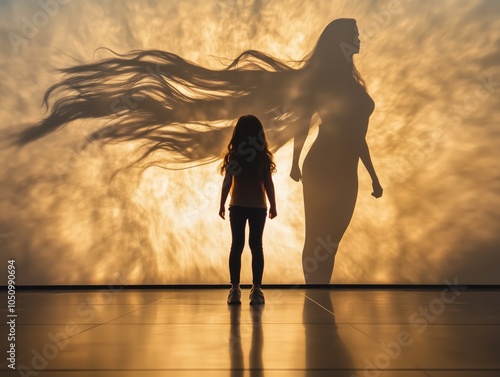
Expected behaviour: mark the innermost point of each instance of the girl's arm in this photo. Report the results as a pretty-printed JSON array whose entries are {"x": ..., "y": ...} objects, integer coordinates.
[
  {"x": 226, "y": 186},
  {"x": 269, "y": 186},
  {"x": 367, "y": 161}
]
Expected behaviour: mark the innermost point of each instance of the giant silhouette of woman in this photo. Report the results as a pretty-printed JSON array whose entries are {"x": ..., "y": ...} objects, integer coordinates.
[
  {"x": 182, "y": 113},
  {"x": 329, "y": 173}
]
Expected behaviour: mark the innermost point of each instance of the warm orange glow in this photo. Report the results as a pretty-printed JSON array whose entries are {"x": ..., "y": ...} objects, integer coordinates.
[{"x": 432, "y": 70}]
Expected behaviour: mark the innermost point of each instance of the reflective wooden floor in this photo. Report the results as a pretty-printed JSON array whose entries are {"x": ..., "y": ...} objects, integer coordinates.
[{"x": 443, "y": 332}]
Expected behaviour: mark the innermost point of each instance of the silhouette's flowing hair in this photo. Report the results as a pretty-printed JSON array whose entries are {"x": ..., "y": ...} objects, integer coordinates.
[
  {"x": 249, "y": 142},
  {"x": 168, "y": 104}
]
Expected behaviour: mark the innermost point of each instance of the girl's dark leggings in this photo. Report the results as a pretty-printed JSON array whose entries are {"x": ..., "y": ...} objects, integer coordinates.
[{"x": 238, "y": 217}]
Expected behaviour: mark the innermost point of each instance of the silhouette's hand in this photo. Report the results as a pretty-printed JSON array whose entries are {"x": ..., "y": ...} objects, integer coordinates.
[
  {"x": 222, "y": 212},
  {"x": 295, "y": 173},
  {"x": 272, "y": 212},
  {"x": 377, "y": 189}
]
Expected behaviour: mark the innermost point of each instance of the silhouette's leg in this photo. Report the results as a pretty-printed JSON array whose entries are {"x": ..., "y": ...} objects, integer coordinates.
[
  {"x": 318, "y": 259},
  {"x": 318, "y": 256},
  {"x": 329, "y": 200},
  {"x": 237, "y": 219},
  {"x": 256, "y": 222}
]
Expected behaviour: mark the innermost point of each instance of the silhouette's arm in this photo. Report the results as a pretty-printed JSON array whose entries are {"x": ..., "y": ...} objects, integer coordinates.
[
  {"x": 298, "y": 143},
  {"x": 269, "y": 186},
  {"x": 226, "y": 186},
  {"x": 365, "y": 157}
]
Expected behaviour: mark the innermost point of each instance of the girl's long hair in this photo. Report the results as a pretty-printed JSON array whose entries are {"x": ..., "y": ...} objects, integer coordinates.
[
  {"x": 168, "y": 104},
  {"x": 248, "y": 138}
]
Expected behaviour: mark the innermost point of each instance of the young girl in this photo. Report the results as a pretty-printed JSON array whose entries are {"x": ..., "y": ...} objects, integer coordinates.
[{"x": 247, "y": 165}]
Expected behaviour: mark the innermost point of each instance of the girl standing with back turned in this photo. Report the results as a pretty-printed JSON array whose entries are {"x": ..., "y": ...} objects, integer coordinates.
[{"x": 247, "y": 165}]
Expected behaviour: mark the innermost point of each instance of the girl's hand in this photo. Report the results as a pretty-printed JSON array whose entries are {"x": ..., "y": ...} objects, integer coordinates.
[
  {"x": 377, "y": 189},
  {"x": 222, "y": 212},
  {"x": 295, "y": 173},
  {"x": 272, "y": 212}
]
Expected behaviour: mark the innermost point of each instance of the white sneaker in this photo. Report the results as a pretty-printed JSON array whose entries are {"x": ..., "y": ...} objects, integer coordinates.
[
  {"x": 256, "y": 296},
  {"x": 234, "y": 297}
]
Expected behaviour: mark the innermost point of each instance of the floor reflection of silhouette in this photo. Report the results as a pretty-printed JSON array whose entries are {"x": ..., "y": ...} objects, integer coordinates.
[
  {"x": 324, "y": 347},
  {"x": 256, "y": 365}
]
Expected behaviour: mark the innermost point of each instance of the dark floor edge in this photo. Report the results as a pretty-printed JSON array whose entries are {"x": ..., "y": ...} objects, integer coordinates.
[{"x": 267, "y": 286}]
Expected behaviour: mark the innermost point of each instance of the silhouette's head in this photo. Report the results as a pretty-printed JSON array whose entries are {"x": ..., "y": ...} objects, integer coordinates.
[{"x": 338, "y": 42}]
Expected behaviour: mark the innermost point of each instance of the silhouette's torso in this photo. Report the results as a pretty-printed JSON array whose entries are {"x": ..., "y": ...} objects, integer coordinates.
[{"x": 344, "y": 111}]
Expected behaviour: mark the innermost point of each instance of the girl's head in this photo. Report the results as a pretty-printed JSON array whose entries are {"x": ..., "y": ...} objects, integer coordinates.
[
  {"x": 248, "y": 144},
  {"x": 248, "y": 128}
]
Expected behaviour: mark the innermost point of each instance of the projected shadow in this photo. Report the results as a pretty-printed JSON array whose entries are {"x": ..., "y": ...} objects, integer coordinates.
[
  {"x": 256, "y": 365},
  {"x": 329, "y": 172},
  {"x": 325, "y": 349},
  {"x": 180, "y": 112}
]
